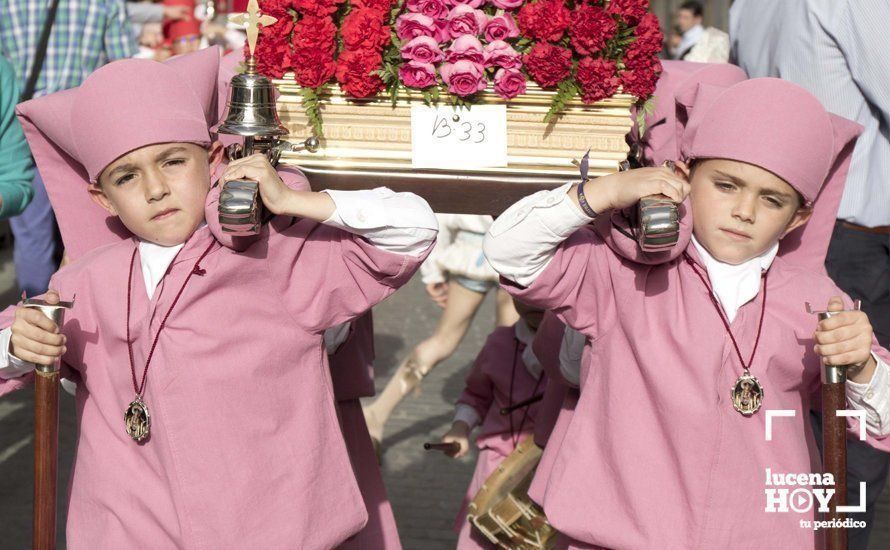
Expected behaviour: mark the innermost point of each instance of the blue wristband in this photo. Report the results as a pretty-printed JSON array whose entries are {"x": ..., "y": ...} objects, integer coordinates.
[{"x": 582, "y": 200}]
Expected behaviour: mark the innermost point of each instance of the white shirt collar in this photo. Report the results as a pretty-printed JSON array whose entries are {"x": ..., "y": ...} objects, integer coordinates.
[
  {"x": 735, "y": 285},
  {"x": 526, "y": 335},
  {"x": 155, "y": 260}
]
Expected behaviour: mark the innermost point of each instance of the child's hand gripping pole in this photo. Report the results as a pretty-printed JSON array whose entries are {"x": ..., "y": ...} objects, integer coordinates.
[
  {"x": 834, "y": 437},
  {"x": 46, "y": 432}
]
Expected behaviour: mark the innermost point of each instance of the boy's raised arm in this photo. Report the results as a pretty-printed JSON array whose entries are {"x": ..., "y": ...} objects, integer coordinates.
[{"x": 522, "y": 241}]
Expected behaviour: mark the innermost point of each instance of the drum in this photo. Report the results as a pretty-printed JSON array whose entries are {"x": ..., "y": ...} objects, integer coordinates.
[{"x": 502, "y": 509}]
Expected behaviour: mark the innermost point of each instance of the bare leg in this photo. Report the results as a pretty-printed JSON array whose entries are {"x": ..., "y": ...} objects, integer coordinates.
[
  {"x": 506, "y": 315},
  {"x": 453, "y": 325}
]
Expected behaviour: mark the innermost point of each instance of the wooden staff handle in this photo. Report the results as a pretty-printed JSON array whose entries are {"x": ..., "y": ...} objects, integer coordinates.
[
  {"x": 46, "y": 435},
  {"x": 451, "y": 447},
  {"x": 834, "y": 458},
  {"x": 530, "y": 401},
  {"x": 46, "y": 454}
]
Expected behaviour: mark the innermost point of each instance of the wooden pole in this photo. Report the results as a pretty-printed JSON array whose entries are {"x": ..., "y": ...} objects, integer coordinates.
[
  {"x": 46, "y": 437},
  {"x": 834, "y": 451},
  {"x": 46, "y": 453},
  {"x": 834, "y": 442}
]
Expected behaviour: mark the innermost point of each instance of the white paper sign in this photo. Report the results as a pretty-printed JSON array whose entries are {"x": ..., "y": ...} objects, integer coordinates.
[{"x": 448, "y": 137}]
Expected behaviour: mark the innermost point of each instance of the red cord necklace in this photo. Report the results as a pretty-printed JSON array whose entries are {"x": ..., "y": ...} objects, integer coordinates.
[
  {"x": 136, "y": 416},
  {"x": 747, "y": 392}
]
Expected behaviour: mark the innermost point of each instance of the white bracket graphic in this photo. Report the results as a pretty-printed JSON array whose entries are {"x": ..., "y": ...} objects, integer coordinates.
[
  {"x": 860, "y": 414},
  {"x": 858, "y": 508},
  {"x": 770, "y": 413}
]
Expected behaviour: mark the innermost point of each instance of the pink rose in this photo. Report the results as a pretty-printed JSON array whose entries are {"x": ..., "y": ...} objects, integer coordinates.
[
  {"x": 412, "y": 25},
  {"x": 471, "y": 3},
  {"x": 509, "y": 83},
  {"x": 431, "y": 8},
  {"x": 462, "y": 19},
  {"x": 443, "y": 34},
  {"x": 506, "y": 4},
  {"x": 501, "y": 27},
  {"x": 417, "y": 75},
  {"x": 501, "y": 54},
  {"x": 465, "y": 47},
  {"x": 423, "y": 49},
  {"x": 464, "y": 77}
]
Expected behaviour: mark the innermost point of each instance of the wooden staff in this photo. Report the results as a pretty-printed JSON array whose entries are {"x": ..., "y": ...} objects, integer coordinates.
[
  {"x": 834, "y": 442},
  {"x": 452, "y": 447},
  {"x": 530, "y": 401},
  {"x": 46, "y": 437}
]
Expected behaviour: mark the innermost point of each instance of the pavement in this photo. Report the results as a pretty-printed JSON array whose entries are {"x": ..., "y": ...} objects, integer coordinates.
[{"x": 425, "y": 487}]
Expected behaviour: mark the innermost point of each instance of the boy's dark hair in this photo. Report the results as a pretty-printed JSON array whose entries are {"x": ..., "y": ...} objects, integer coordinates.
[{"x": 695, "y": 7}]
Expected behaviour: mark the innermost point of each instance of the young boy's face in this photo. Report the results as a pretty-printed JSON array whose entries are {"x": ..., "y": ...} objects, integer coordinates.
[
  {"x": 741, "y": 210},
  {"x": 158, "y": 191}
]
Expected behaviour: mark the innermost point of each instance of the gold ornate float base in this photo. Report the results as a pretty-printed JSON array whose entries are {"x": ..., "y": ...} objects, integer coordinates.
[{"x": 368, "y": 142}]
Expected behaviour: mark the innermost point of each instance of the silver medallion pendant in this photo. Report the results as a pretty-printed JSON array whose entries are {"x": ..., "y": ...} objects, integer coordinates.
[
  {"x": 747, "y": 394},
  {"x": 137, "y": 419}
]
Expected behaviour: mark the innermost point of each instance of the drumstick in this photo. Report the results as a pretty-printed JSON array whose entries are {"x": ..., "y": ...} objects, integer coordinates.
[
  {"x": 451, "y": 447},
  {"x": 530, "y": 401}
]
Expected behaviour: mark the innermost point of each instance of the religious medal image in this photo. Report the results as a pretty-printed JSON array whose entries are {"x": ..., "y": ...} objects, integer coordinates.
[
  {"x": 137, "y": 419},
  {"x": 747, "y": 394}
]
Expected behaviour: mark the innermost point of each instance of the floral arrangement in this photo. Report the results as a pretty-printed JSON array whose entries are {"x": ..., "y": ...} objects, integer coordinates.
[{"x": 586, "y": 48}]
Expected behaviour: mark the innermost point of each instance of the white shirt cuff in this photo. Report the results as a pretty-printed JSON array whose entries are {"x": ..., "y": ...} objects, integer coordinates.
[
  {"x": 522, "y": 241},
  {"x": 873, "y": 398},
  {"x": 466, "y": 413},
  {"x": 10, "y": 365},
  {"x": 402, "y": 223}
]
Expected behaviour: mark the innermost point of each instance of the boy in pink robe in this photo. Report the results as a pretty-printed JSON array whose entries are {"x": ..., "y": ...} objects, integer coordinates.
[
  {"x": 245, "y": 448},
  {"x": 656, "y": 455},
  {"x": 505, "y": 372}
]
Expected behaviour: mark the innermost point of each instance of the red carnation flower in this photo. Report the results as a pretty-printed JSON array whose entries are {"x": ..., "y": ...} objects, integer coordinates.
[
  {"x": 590, "y": 28},
  {"x": 316, "y": 7},
  {"x": 629, "y": 10},
  {"x": 648, "y": 33},
  {"x": 548, "y": 64},
  {"x": 640, "y": 81},
  {"x": 645, "y": 48},
  {"x": 363, "y": 29},
  {"x": 597, "y": 79},
  {"x": 276, "y": 8},
  {"x": 313, "y": 66},
  {"x": 313, "y": 31},
  {"x": 273, "y": 57},
  {"x": 355, "y": 72},
  {"x": 543, "y": 20},
  {"x": 380, "y": 5}
]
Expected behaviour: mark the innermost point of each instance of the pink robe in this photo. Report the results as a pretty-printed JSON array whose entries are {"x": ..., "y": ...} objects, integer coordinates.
[
  {"x": 352, "y": 372},
  {"x": 245, "y": 448},
  {"x": 655, "y": 455},
  {"x": 487, "y": 391},
  {"x": 557, "y": 406}
]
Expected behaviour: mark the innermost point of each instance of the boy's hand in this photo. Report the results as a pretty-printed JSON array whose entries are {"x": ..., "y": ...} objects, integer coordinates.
[
  {"x": 459, "y": 433},
  {"x": 256, "y": 167},
  {"x": 845, "y": 339},
  {"x": 35, "y": 338},
  {"x": 624, "y": 189},
  {"x": 438, "y": 293}
]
